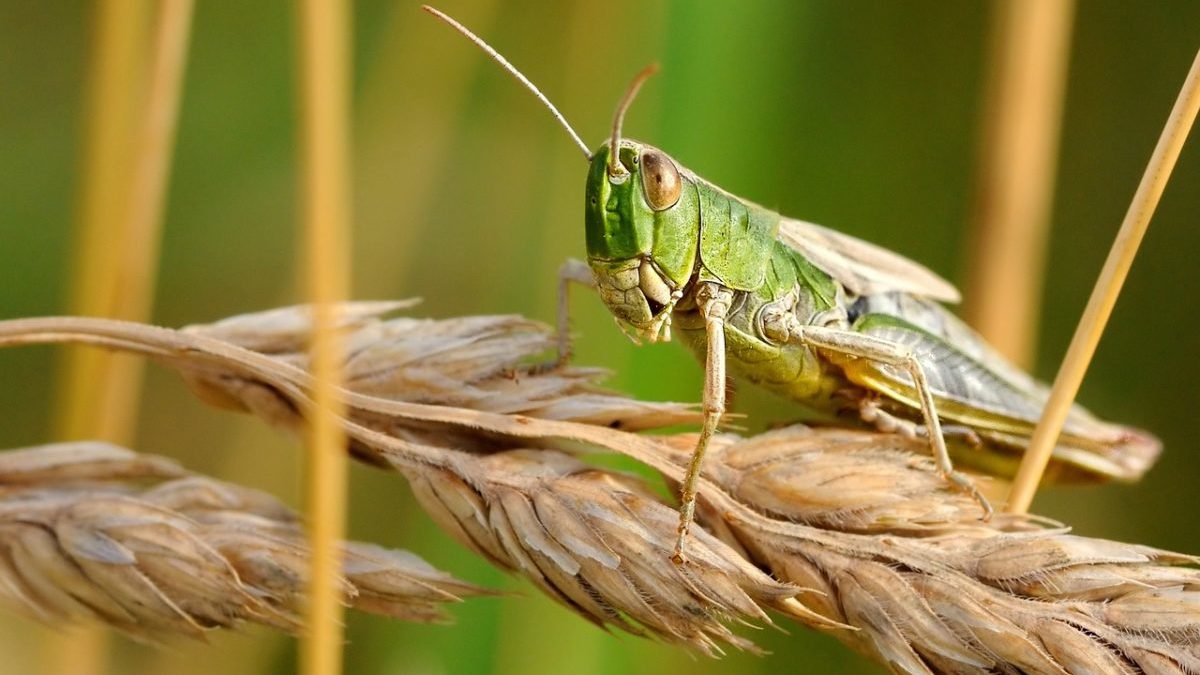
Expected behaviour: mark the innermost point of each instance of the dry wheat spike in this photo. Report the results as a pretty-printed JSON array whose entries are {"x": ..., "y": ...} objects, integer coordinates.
[
  {"x": 859, "y": 537},
  {"x": 91, "y": 531}
]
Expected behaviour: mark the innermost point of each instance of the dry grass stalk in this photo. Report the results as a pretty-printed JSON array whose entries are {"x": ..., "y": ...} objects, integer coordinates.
[
  {"x": 134, "y": 95},
  {"x": 93, "y": 532},
  {"x": 1104, "y": 294},
  {"x": 596, "y": 541},
  {"x": 543, "y": 514},
  {"x": 98, "y": 392},
  {"x": 323, "y": 35},
  {"x": 323, "y": 66},
  {"x": 479, "y": 363},
  {"x": 889, "y": 551},
  {"x": 860, "y": 536}
]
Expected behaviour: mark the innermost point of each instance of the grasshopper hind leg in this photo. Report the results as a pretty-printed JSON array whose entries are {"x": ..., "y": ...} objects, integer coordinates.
[{"x": 855, "y": 345}]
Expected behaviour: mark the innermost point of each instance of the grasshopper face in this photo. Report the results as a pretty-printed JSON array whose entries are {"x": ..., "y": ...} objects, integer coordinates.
[{"x": 643, "y": 230}]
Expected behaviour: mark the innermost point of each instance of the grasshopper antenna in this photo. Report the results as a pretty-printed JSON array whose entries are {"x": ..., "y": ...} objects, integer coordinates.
[
  {"x": 514, "y": 72},
  {"x": 614, "y": 163}
]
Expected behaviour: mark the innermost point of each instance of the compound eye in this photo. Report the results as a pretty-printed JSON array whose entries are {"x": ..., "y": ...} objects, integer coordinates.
[{"x": 660, "y": 180}]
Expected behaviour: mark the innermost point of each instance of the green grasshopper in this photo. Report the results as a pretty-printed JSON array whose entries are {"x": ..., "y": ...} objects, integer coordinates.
[{"x": 811, "y": 314}]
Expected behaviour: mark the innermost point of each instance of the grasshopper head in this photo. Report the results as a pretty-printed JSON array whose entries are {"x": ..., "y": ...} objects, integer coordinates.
[
  {"x": 642, "y": 215},
  {"x": 642, "y": 226}
]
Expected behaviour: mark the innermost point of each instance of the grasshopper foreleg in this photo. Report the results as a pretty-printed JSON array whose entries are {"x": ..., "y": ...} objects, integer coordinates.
[
  {"x": 571, "y": 271},
  {"x": 861, "y": 346},
  {"x": 713, "y": 301}
]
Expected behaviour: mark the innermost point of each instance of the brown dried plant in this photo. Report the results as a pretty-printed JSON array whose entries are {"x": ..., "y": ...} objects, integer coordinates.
[
  {"x": 848, "y": 532},
  {"x": 91, "y": 531}
]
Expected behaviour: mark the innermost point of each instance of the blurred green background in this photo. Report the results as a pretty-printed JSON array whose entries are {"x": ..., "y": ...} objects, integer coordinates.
[{"x": 864, "y": 116}]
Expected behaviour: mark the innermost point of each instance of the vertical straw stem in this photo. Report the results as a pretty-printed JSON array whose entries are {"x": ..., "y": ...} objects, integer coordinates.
[
  {"x": 152, "y": 168},
  {"x": 1104, "y": 294},
  {"x": 117, "y": 45},
  {"x": 324, "y": 138},
  {"x": 114, "y": 90},
  {"x": 119, "y": 232},
  {"x": 1030, "y": 49}
]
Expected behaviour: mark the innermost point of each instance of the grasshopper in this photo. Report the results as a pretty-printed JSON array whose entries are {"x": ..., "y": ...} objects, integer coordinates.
[{"x": 819, "y": 317}]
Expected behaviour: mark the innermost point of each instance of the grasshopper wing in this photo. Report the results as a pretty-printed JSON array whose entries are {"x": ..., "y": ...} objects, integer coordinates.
[
  {"x": 974, "y": 386},
  {"x": 863, "y": 268}
]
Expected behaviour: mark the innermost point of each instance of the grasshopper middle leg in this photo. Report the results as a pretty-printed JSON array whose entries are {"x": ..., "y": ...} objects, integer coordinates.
[
  {"x": 871, "y": 412},
  {"x": 862, "y": 346}
]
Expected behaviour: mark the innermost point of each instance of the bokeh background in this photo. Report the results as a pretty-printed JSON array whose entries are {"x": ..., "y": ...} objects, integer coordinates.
[{"x": 864, "y": 116}]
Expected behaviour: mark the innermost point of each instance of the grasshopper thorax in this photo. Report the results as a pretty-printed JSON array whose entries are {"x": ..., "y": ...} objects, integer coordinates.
[{"x": 642, "y": 226}]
